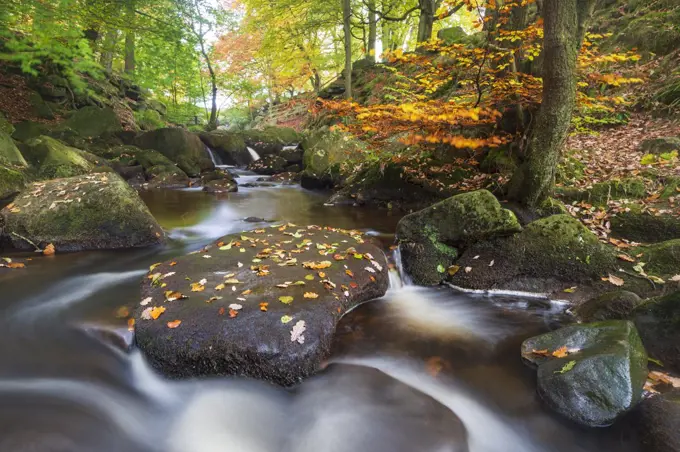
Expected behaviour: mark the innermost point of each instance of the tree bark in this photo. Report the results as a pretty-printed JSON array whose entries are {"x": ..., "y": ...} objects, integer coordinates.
[
  {"x": 565, "y": 24},
  {"x": 372, "y": 48},
  {"x": 428, "y": 9},
  {"x": 108, "y": 49},
  {"x": 347, "y": 26},
  {"x": 130, "y": 39}
]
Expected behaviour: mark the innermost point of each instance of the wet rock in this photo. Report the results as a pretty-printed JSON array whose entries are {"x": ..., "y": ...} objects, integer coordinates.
[
  {"x": 254, "y": 220},
  {"x": 270, "y": 140},
  {"x": 129, "y": 173},
  {"x": 268, "y": 165},
  {"x": 292, "y": 154},
  {"x": 549, "y": 255},
  {"x": 98, "y": 211},
  {"x": 617, "y": 305},
  {"x": 382, "y": 413},
  {"x": 218, "y": 182},
  {"x": 600, "y": 380},
  {"x": 286, "y": 178},
  {"x": 659, "y": 146},
  {"x": 258, "y": 184},
  {"x": 9, "y": 153},
  {"x": 119, "y": 337},
  {"x": 166, "y": 176},
  {"x": 230, "y": 146},
  {"x": 659, "y": 417},
  {"x": 53, "y": 159},
  {"x": 428, "y": 239},
  {"x": 12, "y": 181},
  {"x": 181, "y": 147},
  {"x": 214, "y": 339},
  {"x": 658, "y": 320}
]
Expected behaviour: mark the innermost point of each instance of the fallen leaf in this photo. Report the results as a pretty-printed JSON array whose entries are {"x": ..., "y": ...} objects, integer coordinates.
[
  {"x": 616, "y": 280},
  {"x": 174, "y": 324},
  {"x": 131, "y": 325},
  {"x": 676, "y": 278},
  {"x": 264, "y": 306},
  {"x": 49, "y": 250},
  {"x": 434, "y": 366},
  {"x": 286, "y": 319},
  {"x": 152, "y": 268},
  {"x": 625, "y": 257},
  {"x": 233, "y": 313},
  {"x": 219, "y": 287},
  {"x": 311, "y": 277},
  {"x": 297, "y": 333},
  {"x": 221, "y": 311},
  {"x": 197, "y": 287},
  {"x": 452, "y": 270},
  {"x": 349, "y": 273},
  {"x": 156, "y": 312},
  {"x": 567, "y": 367},
  {"x": 286, "y": 299},
  {"x": 571, "y": 289},
  {"x": 145, "y": 301},
  {"x": 541, "y": 352},
  {"x": 468, "y": 269},
  {"x": 560, "y": 352},
  {"x": 311, "y": 295}
]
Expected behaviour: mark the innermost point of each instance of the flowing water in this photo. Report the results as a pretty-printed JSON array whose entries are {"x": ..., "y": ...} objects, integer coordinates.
[{"x": 65, "y": 388}]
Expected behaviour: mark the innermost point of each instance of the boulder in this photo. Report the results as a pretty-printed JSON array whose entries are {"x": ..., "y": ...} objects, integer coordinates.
[
  {"x": 91, "y": 122},
  {"x": 262, "y": 304},
  {"x": 5, "y": 125},
  {"x": 292, "y": 154},
  {"x": 658, "y": 320},
  {"x": 166, "y": 176},
  {"x": 324, "y": 153},
  {"x": 659, "y": 146},
  {"x": 270, "y": 140},
  {"x": 658, "y": 420},
  {"x": 269, "y": 165},
  {"x": 601, "y": 192},
  {"x": 600, "y": 378},
  {"x": 219, "y": 182},
  {"x": 429, "y": 239},
  {"x": 662, "y": 259},
  {"x": 12, "y": 181},
  {"x": 97, "y": 211},
  {"x": 499, "y": 160},
  {"x": 53, "y": 159},
  {"x": 53, "y": 87},
  {"x": 643, "y": 226},
  {"x": 230, "y": 146},
  {"x": 27, "y": 130},
  {"x": 550, "y": 254},
  {"x": 9, "y": 153},
  {"x": 39, "y": 107},
  {"x": 182, "y": 147},
  {"x": 616, "y": 305}
]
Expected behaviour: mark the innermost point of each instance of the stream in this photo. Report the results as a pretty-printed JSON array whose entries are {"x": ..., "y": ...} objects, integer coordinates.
[{"x": 64, "y": 389}]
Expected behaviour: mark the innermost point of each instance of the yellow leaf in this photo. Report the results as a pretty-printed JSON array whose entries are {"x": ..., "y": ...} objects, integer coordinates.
[
  {"x": 560, "y": 352},
  {"x": 156, "y": 312},
  {"x": 286, "y": 299},
  {"x": 311, "y": 295}
]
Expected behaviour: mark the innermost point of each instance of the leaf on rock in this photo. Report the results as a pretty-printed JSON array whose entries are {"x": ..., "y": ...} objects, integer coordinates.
[
  {"x": 221, "y": 311},
  {"x": 286, "y": 319},
  {"x": 286, "y": 299},
  {"x": 560, "y": 352},
  {"x": 145, "y": 301},
  {"x": 618, "y": 282},
  {"x": 571, "y": 289},
  {"x": 625, "y": 257},
  {"x": 264, "y": 306},
  {"x": 311, "y": 277},
  {"x": 567, "y": 367},
  {"x": 174, "y": 324},
  {"x": 197, "y": 287},
  {"x": 440, "y": 268},
  {"x": 311, "y": 295},
  {"x": 676, "y": 278},
  {"x": 453, "y": 270},
  {"x": 541, "y": 352},
  {"x": 297, "y": 333}
]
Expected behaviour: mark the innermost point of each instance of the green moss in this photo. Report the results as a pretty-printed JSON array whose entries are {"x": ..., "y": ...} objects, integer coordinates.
[
  {"x": 498, "y": 160},
  {"x": 5, "y": 125},
  {"x": 671, "y": 188},
  {"x": 92, "y": 122},
  {"x": 148, "y": 158},
  {"x": 601, "y": 192},
  {"x": 9, "y": 153},
  {"x": 54, "y": 159},
  {"x": 570, "y": 169},
  {"x": 149, "y": 120},
  {"x": 634, "y": 224},
  {"x": 11, "y": 181},
  {"x": 662, "y": 259}
]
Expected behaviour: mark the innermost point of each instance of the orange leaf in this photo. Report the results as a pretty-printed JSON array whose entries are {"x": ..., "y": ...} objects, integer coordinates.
[
  {"x": 131, "y": 324},
  {"x": 560, "y": 352},
  {"x": 540, "y": 352},
  {"x": 349, "y": 273},
  {"x": 263, "y": 307},
  {"x": 156, "y": 312},
  {"x": 221, "y": 311},
  {"x": 49, "y": 250},
  {"x": 233, "y": 313},
  {"x": 174, "y": 324},
  {"x": 625, "y": 257},
  {"x": 311, "y": 295}
]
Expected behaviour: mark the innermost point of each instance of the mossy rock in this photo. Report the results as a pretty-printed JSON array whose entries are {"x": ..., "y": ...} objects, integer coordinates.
[
  {"x": 616, "y": 305},
  {"x": 9, "y": 153},
  {"x": 5, "y": 125},
  {"x": 498, "y": 160},
  {"x": 658, "y": 320},
  {"x": 662, "y": 259},
  {"x": 148, "y": 158},
  {"x": 601, "y": 192},
  {"x": 230, "y": 146},
  {"x": 601, "y": 381},
  {"x": 657, "y": 422},
  {"x": 324, "y": 153},
  {"x": 12, "y": 181},
  {"x": 96, "y": 211},
  {"x": 426, "y": 262},
  {"x": 671, "y": 188},
  {"x": 90, "y": 122},
  {"x": 651, "y": 32},
  {"x": 166, "y": 176},
  {"x": 658, "y": 146},
  {"x": 182, "y": 147},
  {"x": 270, "y": 140},
  {"x": 54, "y": 159},
  {"x": 149, "y": 120},
  {"x": 27, "y": 130},
  {"x": 39, "y": 107},
  {"x": 635, "y": 224}
]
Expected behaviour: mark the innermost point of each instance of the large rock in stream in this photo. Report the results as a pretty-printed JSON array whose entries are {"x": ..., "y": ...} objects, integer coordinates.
[
  {"x": 591, "y": 373},
  {"x": 262, "y": 304},
  {"x": 182, "y": 147},
  {"x": 96, "y": 211},
  {"x": 659, "y": 418}
]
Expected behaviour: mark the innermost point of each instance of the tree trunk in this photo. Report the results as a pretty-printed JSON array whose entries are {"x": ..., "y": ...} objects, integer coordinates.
[
  {"x": 428, "y": 8},
  {"x": 108, "y": 49},
  {"x": 316, "y": 81},
  {"x": 130, "y": 38},
  {"x": 565, "y": 25},
  {"x": 347, "y": 16},
  {"x": 372, "y": 32}
]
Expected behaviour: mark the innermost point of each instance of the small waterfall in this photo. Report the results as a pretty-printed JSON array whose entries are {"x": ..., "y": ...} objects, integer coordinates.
[
  {"x": 217, "y": 161},
  {"x": 402, "y": 277},
  {"x": 253, "y": 154}
]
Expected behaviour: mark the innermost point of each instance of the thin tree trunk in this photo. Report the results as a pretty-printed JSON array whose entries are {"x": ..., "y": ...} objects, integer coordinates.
[
  {"x": 565, "y": 25},
  {"x": 347, "y": 16},
  {"x": 428, "y": 8},
  {"x": 108, "y": 49},
  {"x": 130, "y": 39},
  {"x": 372, "y": 32}
]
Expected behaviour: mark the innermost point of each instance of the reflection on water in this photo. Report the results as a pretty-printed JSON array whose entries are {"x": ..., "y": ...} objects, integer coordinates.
[{"x": 403, "y": 369}]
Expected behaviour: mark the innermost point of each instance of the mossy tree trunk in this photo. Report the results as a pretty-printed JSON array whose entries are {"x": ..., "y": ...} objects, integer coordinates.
[
  {"x": 372, "y": 31},
  {"x": 565, "y": 24},
  {"x": 130, "y": 38},
  {"x": 347, "y": 26},
  {"x": 428, "y": 9}
]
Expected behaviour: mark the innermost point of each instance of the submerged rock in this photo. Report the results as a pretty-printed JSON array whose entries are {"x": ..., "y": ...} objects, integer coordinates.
[
  {"x": 429, "y": 239},
  {"x": 262, "y": 303},
  {"x": 97, "y": 211},
  {"x": 219, "y": 182},
  {"x": 617, "y": 305},
  {"x": 600, "y": 378},
  {"x": 659, "y": 418}
]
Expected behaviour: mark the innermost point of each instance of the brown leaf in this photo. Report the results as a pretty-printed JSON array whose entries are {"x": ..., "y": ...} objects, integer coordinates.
[
  {"x": 625, "y": 257},
  {"x": 264, "y": 306},
  {"x": 311, "y": 295},
  {"x": 174, "y": 324},
  {"x": 618, "y": 282}
]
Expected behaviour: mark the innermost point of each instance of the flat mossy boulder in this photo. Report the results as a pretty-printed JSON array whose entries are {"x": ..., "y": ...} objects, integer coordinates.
[
  {"x": 53, "y": 159},
  {"x": 616, "y": 305},
  {"x": 180, "y": 146},
  {"x": 634, "y": 223},
  {"x": 324, "y": 154},
  {"x": 658, "y": 419},
  {"x": 269, "y": 165},
  {"x": 262, "y": 304},
  {"x": 96, "y": 211},
  {"x": 662, "y": 259},
  {"x": 547, "y": 255},
  {"x": 499, "y": 160},
  {"x": 658, "y": 320},
  {"x": 91, "y": 122},
  {"x": 658, "y": 146},
  {"x": 430, "y": 238},
  {"x": 12, "y": 181},
  {"x": 600, "y": 376},
  {"x": 9, "y": 153},
  {"x": 230, "y": 146},
  {"x": 601, "y": 192},
  {"x": 27, "y": 130},
  {"x": 166, "y": 176},
  {"x": 219, "y": 182}
]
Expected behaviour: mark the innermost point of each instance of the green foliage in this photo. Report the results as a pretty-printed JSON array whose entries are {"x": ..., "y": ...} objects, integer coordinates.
[{"x": 149, "y": 120}]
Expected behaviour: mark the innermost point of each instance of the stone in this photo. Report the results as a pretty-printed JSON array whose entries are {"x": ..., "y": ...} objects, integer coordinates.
[
  {"x": 9, "y": 153},
  {"x": 269, "y": 165},
  {"x": 53, "y": 87},
  {"x": 91, "y": 122},
  {"x": 324, "y": 153},
  {"x": 662, "y": 259},
  {"x": 616, "y": 305},
  {"x": 658, "y": 420},
  {"x": 292, "y": 154},
  {"x": 230, "y": 146},
  {"x": 658, "y": 320},
  {"x": 601, "y": 192},
  {"x": 181, "y": 147},
  {"x": 88, "y": 212},
  {"x": 499, "y": 160},
  {"x": 270, "y": 140},
  {"x": 27, "y": 130},
  {"x": 252, "y": 339},
  {"x": 12, "y": 181},
  {"x": 39, "y": 107},
  {"x": 53, "y": 159},
  {"x": 166, "y": 176},
  {"x": 641, "y": 226},
  {"x": 658, "y": 146},
  {"x": 219, "y": 182},
  {"x": 6, "y": 126},
  {"x": 600, "y": 380},
  {"x": 429, "y": 239}
]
